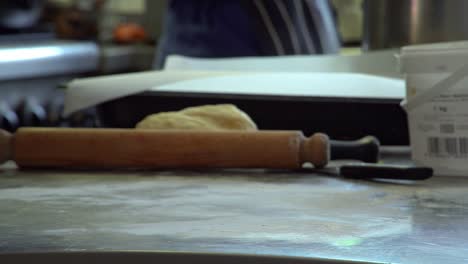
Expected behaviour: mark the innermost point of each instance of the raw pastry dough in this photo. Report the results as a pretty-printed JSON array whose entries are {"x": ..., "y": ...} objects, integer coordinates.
[{"x": 207, "y": 117}]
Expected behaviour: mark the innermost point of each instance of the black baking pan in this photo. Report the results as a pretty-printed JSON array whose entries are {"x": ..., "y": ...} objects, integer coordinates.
[{"x": 342, "y": 118}]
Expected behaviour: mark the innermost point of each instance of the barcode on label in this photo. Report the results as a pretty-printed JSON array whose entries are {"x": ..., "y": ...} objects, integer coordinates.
[{"x": 447, "y": 146}]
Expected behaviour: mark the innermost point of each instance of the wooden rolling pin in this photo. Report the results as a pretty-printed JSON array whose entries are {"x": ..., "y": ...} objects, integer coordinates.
[{"x": 131, "y": 148}]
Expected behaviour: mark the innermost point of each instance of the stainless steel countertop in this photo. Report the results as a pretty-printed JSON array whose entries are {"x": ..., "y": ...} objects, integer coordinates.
[{"x": 235, "y": 211}]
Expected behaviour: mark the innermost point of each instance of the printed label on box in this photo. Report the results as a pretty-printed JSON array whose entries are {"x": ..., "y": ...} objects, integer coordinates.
[{"x": 439, "y": 132}]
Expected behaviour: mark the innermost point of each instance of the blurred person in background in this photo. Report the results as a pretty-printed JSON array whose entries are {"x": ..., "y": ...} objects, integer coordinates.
[{"x": 232, "y": 28}]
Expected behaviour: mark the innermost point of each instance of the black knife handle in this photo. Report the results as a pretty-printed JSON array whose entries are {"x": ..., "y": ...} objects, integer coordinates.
[{"x": 383, "y": 171}]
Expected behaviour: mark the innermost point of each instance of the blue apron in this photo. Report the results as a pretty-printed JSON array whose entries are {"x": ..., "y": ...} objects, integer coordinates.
[{"x": 233, "y": 28}]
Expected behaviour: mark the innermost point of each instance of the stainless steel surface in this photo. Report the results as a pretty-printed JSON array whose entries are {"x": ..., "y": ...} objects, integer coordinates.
[
  {"x": 394, "y": 23},
  {"x": 36, "y": 70},
  {"x": 120, "y": 58},
  {"x": 248, "y": 212},
  {"x": 160, "y": 257},
  {"x": 59, "y": 58},
  {"x": 28, "y": 60},
  {"x": 15, "y": 91}
]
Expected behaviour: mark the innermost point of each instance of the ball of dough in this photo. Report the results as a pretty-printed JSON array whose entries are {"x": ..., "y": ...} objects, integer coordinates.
[{"x": 207, "y": 117}]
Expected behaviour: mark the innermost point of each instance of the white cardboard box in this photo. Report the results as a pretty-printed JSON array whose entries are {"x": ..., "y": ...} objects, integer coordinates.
[{"x": 436, "y": 101}]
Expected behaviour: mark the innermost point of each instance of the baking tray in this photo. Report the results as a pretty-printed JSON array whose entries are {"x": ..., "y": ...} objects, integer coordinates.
[{"x": 341, "y": 118}]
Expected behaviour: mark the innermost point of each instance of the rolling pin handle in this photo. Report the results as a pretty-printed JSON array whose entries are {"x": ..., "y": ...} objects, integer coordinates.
[
  {"x": 6, "y": 140},
  {"x": 316, "y": 150},
  {"x": 365, "y": 149}
]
